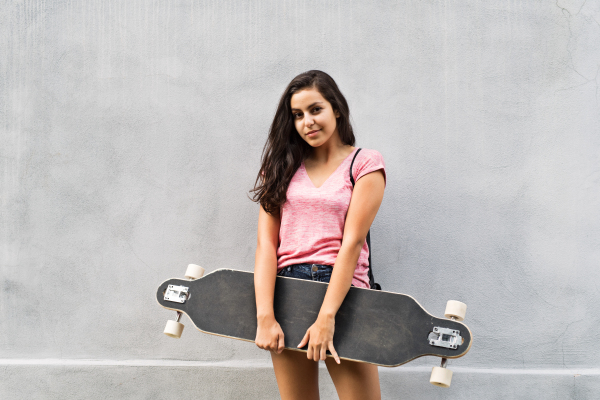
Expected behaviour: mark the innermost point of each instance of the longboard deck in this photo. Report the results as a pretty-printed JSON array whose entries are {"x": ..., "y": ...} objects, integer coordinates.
[{"x": 377, "y": 327}]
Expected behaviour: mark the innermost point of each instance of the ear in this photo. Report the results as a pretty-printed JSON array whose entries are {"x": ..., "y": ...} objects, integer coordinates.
[{"x": 337, "y": 114}]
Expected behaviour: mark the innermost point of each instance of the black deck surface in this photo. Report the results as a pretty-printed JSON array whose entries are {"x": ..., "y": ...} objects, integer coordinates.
[{"x": 373, "y": 326}]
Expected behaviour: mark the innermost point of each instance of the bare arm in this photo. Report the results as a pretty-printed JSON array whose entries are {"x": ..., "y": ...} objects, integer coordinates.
[
  {"x": 365, "y": 202},
  {"x": 269, "y": 335}
]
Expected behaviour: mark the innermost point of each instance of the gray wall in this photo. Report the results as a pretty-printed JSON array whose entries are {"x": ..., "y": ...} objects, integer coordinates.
[{"x": 131, "y": 133}]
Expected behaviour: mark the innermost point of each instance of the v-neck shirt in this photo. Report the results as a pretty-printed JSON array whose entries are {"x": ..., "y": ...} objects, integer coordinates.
[{"x": 313, "y": 218}]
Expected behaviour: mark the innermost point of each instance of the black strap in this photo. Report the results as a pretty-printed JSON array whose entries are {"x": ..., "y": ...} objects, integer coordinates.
[
  {"x": 372, "y": 283},
  {"x": 351, "y": 164}
]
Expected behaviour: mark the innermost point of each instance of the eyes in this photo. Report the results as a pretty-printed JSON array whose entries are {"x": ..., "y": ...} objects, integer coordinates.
[{"x": 315, "y": 110}]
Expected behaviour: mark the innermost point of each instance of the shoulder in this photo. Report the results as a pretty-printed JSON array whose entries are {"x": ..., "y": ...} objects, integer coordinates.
[
  {"x": 369, "y": 154},
  {"x": 369, "y": 157},
  {"x": 367, "y": 161}
]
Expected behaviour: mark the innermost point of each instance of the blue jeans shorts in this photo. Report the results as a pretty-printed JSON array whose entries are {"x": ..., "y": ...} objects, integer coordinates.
[{"x": 311, "y": 272}]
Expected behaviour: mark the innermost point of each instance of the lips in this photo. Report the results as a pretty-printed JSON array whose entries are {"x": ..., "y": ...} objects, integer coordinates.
[{"x": 312, "y": 133}]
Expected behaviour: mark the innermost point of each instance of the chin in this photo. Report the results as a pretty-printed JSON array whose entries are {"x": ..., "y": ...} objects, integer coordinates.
[{"x": 316, "y": 143}]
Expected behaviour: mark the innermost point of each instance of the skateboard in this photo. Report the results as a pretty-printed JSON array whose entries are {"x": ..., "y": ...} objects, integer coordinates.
[{"x": 372, "y": 326}]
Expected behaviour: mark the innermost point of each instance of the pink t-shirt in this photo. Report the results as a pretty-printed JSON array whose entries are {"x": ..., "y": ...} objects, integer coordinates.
[{"x": 313, "y": 219}]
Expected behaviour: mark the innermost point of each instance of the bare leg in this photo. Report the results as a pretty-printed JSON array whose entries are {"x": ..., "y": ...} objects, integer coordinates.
[
  {"x": 297, "y": 376},
  {"x": 354, "y": 380}
]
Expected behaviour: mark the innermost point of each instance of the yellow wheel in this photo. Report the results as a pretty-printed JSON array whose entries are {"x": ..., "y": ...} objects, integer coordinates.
[
  {"x": 440, "y": 377},
  {"x": 173, "y": 329},
  {"x": 455, "y": 309},
  {"x": 194, "y": 271}
]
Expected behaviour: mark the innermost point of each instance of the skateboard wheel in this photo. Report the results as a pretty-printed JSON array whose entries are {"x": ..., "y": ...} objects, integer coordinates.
[
  {"x": 441, "y": 377},
  {"x": 194, "y": 271},
  {"x": 173, "y": 329},
  {"x": 455, "y": 309}
]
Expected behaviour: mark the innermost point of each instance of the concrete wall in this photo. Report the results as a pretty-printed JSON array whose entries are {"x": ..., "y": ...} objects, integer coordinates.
[{"x": 131, "y": 132}]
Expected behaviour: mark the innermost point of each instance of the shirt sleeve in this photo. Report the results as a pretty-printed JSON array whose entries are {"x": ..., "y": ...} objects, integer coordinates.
[{"x": 368, "y": 161}]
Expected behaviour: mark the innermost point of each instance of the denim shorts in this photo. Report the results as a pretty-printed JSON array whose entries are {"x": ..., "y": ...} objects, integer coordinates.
[{"x": 311, "y": 272}]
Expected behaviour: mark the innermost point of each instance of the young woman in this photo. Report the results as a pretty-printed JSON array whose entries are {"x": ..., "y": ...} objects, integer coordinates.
[{"x": 312, "y": 224}]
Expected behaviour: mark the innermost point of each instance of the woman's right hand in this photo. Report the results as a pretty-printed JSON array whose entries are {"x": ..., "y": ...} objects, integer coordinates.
[{"x": 269, "y": 335}]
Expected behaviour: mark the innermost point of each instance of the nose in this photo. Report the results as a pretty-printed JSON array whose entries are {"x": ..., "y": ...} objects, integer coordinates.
[{"x": 309, "y": 121}]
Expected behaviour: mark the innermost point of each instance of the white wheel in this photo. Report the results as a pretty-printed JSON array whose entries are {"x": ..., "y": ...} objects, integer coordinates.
[
  {"x": 440, "y": 377},
  {"x": 455, "y": 309},
  {"x": 173, "y": 329},
  {"x": 194, "y": 271}
]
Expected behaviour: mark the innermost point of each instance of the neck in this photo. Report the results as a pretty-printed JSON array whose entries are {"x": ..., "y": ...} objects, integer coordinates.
[{"x": 333, "y": 149}]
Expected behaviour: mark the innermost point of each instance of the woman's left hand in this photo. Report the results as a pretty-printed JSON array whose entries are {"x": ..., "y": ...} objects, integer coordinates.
[{"x": 320, "y": 339}]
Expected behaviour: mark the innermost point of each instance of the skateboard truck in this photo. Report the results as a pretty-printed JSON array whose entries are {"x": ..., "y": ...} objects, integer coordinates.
[
  {"x": 176, "y": 294},
  {"x": 449, "y": 338},
  {"x": 179, "y": 294},
  {"x": 445, "y": 337}
]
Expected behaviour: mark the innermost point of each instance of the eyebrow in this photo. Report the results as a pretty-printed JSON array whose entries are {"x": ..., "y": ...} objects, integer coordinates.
[{"x": 315, "y": 103}]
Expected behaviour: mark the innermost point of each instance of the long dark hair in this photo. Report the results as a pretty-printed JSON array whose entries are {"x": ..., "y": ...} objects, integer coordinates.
[{"x": 285, "y": 149}]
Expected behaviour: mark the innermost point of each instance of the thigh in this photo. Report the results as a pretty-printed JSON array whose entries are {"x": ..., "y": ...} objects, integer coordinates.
[
  {"x": 354, "y": 380},
  {"x": 297, "y": 376}
]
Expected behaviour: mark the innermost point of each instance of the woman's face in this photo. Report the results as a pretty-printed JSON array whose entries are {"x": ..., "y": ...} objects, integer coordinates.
[{"x": 314, "y": 117}]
